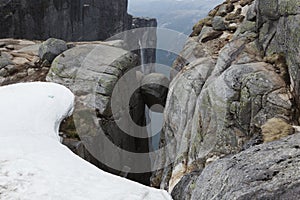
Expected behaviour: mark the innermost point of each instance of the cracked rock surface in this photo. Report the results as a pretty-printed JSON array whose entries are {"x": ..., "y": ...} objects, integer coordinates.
[
  {"x": 268, "y": 171},
  {"x": 91, "y": 72},
  {"x": 231, "y": 82}
]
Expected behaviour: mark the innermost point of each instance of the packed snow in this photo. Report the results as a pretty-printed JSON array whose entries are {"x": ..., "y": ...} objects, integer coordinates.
[{"x": 34, "y": 165}]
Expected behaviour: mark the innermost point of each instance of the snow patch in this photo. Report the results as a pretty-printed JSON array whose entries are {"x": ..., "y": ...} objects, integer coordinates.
[{"x": 34, "y": 165}]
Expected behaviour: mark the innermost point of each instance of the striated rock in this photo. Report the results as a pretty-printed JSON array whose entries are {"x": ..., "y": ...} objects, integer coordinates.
[
  {"x": 20, "y": 61},
  {"x": 6, "y": 55},
  {"x": 279, "y": 31},
  {"x": 220, "y": 100},
  {"x": 23, "y": 58},
  {"x": 51, "y": 48},
  {"x": 145, "y": 38},
  {"x": 247, "y": 26},
  {"x": 208, "y": 34},
  {"x": 267, "y": 171},
  {"x": 183, "y": 190},
  {"x": 225, "y": 109},
  {"x": 81, "y": 20}
]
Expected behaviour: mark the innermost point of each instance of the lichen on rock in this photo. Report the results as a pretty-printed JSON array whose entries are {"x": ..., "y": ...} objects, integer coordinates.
[{"x": 228, "y": 101}]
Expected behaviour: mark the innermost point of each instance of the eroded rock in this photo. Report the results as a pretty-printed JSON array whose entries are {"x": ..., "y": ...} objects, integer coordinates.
[
  {"x": 220, "y": 100},
  {"x": 267, "y": 171},
  {"x": 91, "y": 71},
  {"x": 154, "y": 90},
  {"x": 51, "y": 48}
]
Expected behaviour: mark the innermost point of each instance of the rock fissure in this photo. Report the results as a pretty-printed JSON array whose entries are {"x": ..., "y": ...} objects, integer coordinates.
[{"x": 249, "y": 84}]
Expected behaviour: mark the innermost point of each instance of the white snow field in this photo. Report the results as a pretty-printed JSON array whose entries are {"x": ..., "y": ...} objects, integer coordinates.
[{"x": 34, "y": 165}]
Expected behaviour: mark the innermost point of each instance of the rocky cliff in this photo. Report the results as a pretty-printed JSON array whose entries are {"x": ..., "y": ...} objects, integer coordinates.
[
  {"x": 91, "y": 70},
  {"x": 238, "y": 70},
  {"x": 26, "y": 61},
  {"x": 78, "y": 20},
  {"x": 69, "y": 20},
  {"x": 231, "y": 114},
  {"x": 147, "y": 38},
  {"x": 92, "y": 77}
]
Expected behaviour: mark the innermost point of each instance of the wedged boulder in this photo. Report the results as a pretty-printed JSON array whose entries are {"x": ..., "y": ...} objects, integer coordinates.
[
  {"x": 51, "y": 48},
  {"x": 266, "y": 171},
  {"x": 154, "y": 90},
  {"x": 92, "y": 71}
]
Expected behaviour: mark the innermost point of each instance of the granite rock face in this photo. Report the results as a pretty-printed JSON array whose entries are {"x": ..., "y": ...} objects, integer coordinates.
[
  {"x": 68, "y": 20},
  {"x": 231, "y": 82},
  {"x": 91, "y": 72},
  {"x": 279, "y": 33},
  {"x": 267, "y": 171}
]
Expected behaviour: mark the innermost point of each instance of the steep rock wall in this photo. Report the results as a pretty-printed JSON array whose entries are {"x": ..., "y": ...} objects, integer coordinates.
[
  {"x": 69, "y": 20},
  {"x": 238, "y": 69}
]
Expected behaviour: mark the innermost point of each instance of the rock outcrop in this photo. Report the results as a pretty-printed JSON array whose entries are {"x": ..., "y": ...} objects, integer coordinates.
[
  {"x": 19, "y": 62},
  {"x": 68, "y": 20},
  {"x": 268, "y": 171},
  {"x": 78, "y": 21},
  {"x": 278, "y": 23},
  {"x": 146, "y": 39},
  {"x": 238, "y": 69},
  {"x": 91, "y": 72},
  {"x": 140, "y": 22},
  {"x": 51, "y": 48}
]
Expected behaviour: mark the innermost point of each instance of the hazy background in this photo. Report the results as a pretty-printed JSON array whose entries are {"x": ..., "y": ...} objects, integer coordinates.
[{"x": 179, "y": 15}]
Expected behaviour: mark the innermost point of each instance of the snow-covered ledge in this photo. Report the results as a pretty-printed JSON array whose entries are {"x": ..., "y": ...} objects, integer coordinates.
[{"x": 34, "y": 165}]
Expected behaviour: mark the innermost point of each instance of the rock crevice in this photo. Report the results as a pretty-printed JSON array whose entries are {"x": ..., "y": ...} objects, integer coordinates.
[{"x": 251, "y": 77}]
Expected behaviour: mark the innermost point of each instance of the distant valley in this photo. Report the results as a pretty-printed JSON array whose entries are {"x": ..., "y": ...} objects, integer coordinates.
[{"x": 179, "y": 15}]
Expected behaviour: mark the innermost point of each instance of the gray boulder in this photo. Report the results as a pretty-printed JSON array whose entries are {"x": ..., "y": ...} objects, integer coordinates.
[
  {"x": 154, "y": 90},
  {"x": 267, "y": 171},
  {"x": 4, "y": 61},
  {"x": 3, "y": 72},
  {"x": 51, "y": 48},
  {"x": 183, "y": 190},
  {"x": 218, "y": 23}
]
